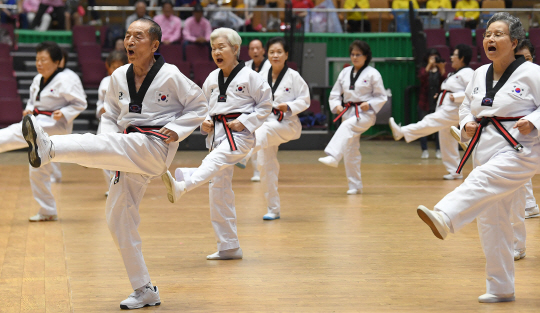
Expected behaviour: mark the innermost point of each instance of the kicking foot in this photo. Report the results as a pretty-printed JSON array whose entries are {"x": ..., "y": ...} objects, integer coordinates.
[
  {"x": 175, "y": 189},
  {"x": 43, "y": 218},
  {"x": 329, "y": 160},
  {"x": 41, "y": 150},
  {"x": 396, "y": 129},
  {"x": 271, "y": 216},
  {"x": 231, "y": 254},
  {"x": 434, "y": 220},
  {"x": 142, "y": 297}
]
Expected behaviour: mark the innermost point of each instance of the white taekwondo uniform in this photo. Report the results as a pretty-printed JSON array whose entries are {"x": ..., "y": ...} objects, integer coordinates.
[
  {"x": 495, "y": 184},
  {"x": 249, "y": 95},
  {"x": 292, "y": 90},
  {"x": 172, "y": 101},
  {"x": 62, "y": 92},
  {"x": 264, "y": 68},
  {"x": 346, "y": 141},
  {"x": 446, "y": 114},
  {"x": 100, "y": 104}
]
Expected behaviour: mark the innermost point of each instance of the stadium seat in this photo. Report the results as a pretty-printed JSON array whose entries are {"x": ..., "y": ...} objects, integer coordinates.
[
  {"x": 244, "y": 53},
  {"x": 197, "y": 53},
  {"x": 460, "y": 35},
  {"x": 201, "y": 70},
  {"x": 171, "y": 53},
  {"x": 9, "y": 88},
  {"x": 6, "y": 68},
  {"x": 89, "y": 52},
  {"x": 82, "y": 34},
  {"x": 534, "y": 36},
  {"x": 93, "y": 71},
  {"x": 435, "y": 37},
  {"x": 11, "y": 109}
]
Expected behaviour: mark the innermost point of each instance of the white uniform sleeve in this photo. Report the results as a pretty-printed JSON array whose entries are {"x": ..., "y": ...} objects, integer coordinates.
[
  {"x": 74, "y": 94},
  {"x": 335, "y": 98},
  {"x": 464, "y": 81},
  {"x": 465, "y": 114},
  {"x": 262, "y": 94},
  {"x": 194, "y": 112},
  {"x": 109, "y": 119},
  {"x": 378, "y": 95},
  {"x": 302, "y": 99},
  {"x": 206, "y": 91},
  {"x": 30, "y": 103},
  {"x": 534, "y": 117},
  {"x": 102, "y": 91}
]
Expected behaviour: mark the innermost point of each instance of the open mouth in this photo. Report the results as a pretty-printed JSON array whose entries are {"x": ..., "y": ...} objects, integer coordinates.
[
  {"x": 219, "y": 60},
  {"x": 492, "y": 49},
  {"x": 130, "y": 52}
]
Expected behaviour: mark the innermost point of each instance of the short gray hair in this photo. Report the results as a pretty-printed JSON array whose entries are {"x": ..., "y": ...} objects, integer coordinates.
[
  {"x": 514, "y": 25},
  {"x": 230, "y": 34}
]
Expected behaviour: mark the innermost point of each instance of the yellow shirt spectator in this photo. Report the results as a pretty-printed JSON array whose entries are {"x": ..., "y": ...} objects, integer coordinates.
[
  {"x": 470, "y": 4},
  {"x": 403, "y": 4},
  {"x": 356, "y": 4},
  {"x": 436, "y": 4}
]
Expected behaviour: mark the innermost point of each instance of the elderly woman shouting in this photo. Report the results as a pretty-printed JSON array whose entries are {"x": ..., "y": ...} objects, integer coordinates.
[
  {"x": 501, "y": 114},
  {"x": 239, "y": 103}
]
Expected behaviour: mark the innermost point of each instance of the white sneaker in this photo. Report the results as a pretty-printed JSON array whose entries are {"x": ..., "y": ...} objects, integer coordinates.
[
  {"x": 43, "y": 218},
  {"x": 106, "y": 194},
  {"x": 242, "y": 164},
  {"x": 452, "y": 176},
  {"x": 434, "y": 220},
  {"x": 256, "y": 178},
  {"x": 490, "y": 298},
  {"x": 175, "y": 189},
  {"x": 231, "y": 254},
  {"x": 456, "y": 133},
  {"x": 425, "y": 154},
  {"x": 532, "y": 212},
  {"x": 396, "y": 129},
  {"x": 140, "y": 299},
  {"x": 271, "y": 216},
  {"x": 438, "y": 154},
  {"x": 41, "y": 148},
  {"x": 354, "y": 191},
  {"x": 329, "y": 160},
  {"x": 519, "y": 254}
]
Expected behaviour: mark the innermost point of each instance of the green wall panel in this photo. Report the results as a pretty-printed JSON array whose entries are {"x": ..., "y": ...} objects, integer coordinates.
[{"x": 33, "y": 36}]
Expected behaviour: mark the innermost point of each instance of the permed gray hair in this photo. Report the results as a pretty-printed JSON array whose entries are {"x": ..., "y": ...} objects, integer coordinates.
[
  {"x": 230, "y": 34},
  {"x": 514, "y": 25}
]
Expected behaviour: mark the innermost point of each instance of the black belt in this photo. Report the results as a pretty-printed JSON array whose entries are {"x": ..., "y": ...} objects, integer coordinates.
[
  {"x": 496, "y": 121},
  {"x": 346, "y": 107},
  {"x": 279, "y": 114},
  {"x": 223, "y": 119},
  {"x": 39, "y": 112}
]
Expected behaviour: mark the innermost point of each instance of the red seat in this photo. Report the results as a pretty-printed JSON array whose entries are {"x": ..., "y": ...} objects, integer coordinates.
[
  {"x": 314, "y": 107},
  {"x": 11, "y": 109},
  {"x": 537, "y": 58},
  {"x": 6, "y": 69},
  {"x": 103, "y": 35},
  {"x": 201, "y": 70},
  {"x": 4, "y": 51},
  {"x": 184, "y": 67},
  {"x": 292, "y": 65},
  {"x": 197, "y": 53},
  {"x": 474, "y": 57},
  {"x": 435, "y": 37},
  {"x": 89, "y": 52},
  {"x": 534, "y": 35},
  {"x": 475, "y": 65},
  {"x": 171, "y": 53},
  {"x": 480, "y": 37},
  {"x": 93, "y": 71},
  {"x": 11, "y": 33},
  {"x": 244, "y": 53},
  {"x": 9, "y": 88},
  {"x": 83, "y": 33},
  {"x": 483, "y": 57},
  {"x": 460, "y": 35}
]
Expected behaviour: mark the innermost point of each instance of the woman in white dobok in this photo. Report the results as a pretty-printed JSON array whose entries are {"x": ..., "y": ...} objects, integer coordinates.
[
  {"x": 501, "y": 114},
  {"x": 357, "y": 96},
  {"x": 290, "y": 95}
]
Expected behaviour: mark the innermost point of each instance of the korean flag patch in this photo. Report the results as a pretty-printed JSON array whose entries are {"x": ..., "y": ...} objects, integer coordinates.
[
  {"x": 240, "y": 88},
  {"x": 162, "y": 97},
  {"x": 287, "y": 89}
]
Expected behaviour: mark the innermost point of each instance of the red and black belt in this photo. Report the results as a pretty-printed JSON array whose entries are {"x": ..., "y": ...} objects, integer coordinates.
[
  {"x": 496, "y": 121},
  {"x": 223, "y": 118},
  {"x": 443, "y": 95},
  {"x": 279, "y": 114},
  {"x": 39, "y": 112},
  {"x": 347, "y": 106},
  {"x": 146, "y": 130}
]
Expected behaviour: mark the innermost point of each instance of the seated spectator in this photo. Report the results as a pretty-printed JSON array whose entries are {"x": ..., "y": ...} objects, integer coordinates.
[
  {"x": 471, "y": 18},
  {"x": 197, "y": 29},
  {"x": 140, "y": 12},
  {"x": 119, "y": 45},
  {"x": 171, "y": 25},
  {"x": 59, "y": 10},
  {"x": 355, "y": 19},
  {"x": 73, "y": 17},
  {"x": 437, "y": 4},
  {"x": 302, "y": 4},
  {"x": 186, "y": 4},
  {"x": 403, "y": 4},
  {"x": 8, "y": 16},
  {"x": 30, "y": 8}
]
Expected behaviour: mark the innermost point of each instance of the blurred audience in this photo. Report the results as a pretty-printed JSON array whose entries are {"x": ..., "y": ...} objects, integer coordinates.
[
  {"x": 471, "y": 18},
  {"x": 171, "y": 25},
  {"x": 140, "y": 12},
  {"x": 356, "y": 19}
]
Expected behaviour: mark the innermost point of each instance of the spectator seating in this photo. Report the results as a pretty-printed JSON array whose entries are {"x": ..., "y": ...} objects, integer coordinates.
[
  {"x": 83, "y": 34},
  {"x": 534, "y": 37},
  {"x": 184, "y": 67},
  {"x": 11, "y": 33},
  {"x": 93, "y": 71},
  {"x": 171, "y": 53},
  {"x": 89, "y": 52},
  {"x": 11, "y": 109},
  {"x": 201, "y": 70},
  {"x": 435, "y": 37},
  {"x": 9, "y": 88},
  {"x": 6, "y": 68},
  {"x": 460, "y": 35},
  {"x": 292, "y": 65},
  {"x": 385, "y": 18},
  {"x": 197, "y": 53},
  {"x": 244, "y": 53},
  {"x": 4, "y": 52}
]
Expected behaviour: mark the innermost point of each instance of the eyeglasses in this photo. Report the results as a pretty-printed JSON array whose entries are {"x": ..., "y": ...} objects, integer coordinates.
[
  {"x": 356, "y": 55},
  {"x": 496, "y": 35}
]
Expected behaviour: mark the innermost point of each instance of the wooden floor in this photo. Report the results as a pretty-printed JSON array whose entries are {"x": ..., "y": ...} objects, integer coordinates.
[{"x": 329, "y": 252}]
